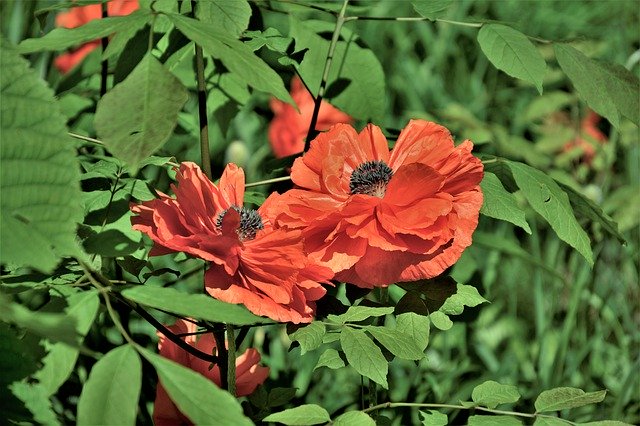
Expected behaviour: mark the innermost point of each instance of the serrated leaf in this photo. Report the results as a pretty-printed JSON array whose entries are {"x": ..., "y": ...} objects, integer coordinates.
[
  {"x": 466, "y": 295},
  {"x": 39, "y": 177},
  {"x": 608, "y": 89},
  {"x": 196, "y": 396},
  {"x": 363, "y": 355},
  {"x": 110, "y": 395},
  {"x": 308, "y": 414},
  {"x": 231, "y": 17},
  {"x": 417, "y": 326},
  {"x": 500, "y": 204},
  {"x": 493, "y": 421},
  {"x": 36, "y": 400},
  {"x": 270, "y": 37},
  {"x": 491, "y": 394},
  {"x": 309, "y": 336},
  {"x": 397, "y": 342},
  {"x": 235, "y": 55},
  {"x": 63, "y": 38},
  {"x": 431, "y": 9},
  {"x": 360, "y": 313},
  {"x": 330, "y": 359},
  {"x": 512, "y": 52},
  {"x": 354, "y": 418},
  {"x": 566, "y": 397},
  {"x": 191, "y": 305},
  {"x": 552, "y": 203},
  {"x": 137, "y": 116},
  {"x": 441, "y": 321},
  {"x": 434, "y": 418}
]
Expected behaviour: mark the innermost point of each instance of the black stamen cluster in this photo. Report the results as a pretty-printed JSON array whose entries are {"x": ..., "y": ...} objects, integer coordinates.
[
  {"x": 370, "y": 178},
  {"x": 250, "y": 222}
]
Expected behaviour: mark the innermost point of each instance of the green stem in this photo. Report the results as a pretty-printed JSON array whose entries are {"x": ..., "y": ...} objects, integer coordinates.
[
  {"x": 85, "y": 138},
  {"x": 104, "y": 72},
  {"x": 268, "y": 181},
  {"x": 325, "y": 76},
  {"x": 205, "y": 158},
  {"x": 231, "y": 360}
]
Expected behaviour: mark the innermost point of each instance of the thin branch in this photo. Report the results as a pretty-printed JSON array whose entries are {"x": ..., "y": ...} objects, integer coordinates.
[
  {"x": 325, "y": 76},
  {"x": 231, "y": 360},
  {"x": 104, "y": 73},
  {"x": 85, "y": 138}
]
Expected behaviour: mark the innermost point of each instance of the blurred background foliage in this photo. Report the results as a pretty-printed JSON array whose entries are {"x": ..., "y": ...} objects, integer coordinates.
[{"x": 553, "y": 320}]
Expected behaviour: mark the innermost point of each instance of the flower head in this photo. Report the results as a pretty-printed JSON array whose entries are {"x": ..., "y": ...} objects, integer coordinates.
[
  {"x": 249, "y": 374},
  {"x": 79, "y": 16},
  {"x": 588, "y": 138},
  {"x": 377, "y": 217},
  {"x": 289, "y": 127},
  {"x": 252, "y": 262}
]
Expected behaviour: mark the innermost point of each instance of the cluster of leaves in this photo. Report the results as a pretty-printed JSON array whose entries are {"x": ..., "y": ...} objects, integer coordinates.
[{"x": 66, "y": 201}]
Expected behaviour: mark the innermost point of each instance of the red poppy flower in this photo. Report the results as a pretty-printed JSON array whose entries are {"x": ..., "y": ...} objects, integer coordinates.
[
  {"x": 289, "y": 127},
  {"x": 589, "y": 136},
  {"x": 79, "y": 16},
  {"x": 377, "y": 217},
  {"x": 252, "y": 263},
  {"x": 249, "y": 374}
]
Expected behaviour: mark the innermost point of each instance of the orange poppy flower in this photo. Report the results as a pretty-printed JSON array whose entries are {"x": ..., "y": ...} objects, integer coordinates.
[
  {"x": 252, "y": 263},
  {"x": 249, "y": 374},
  {"x": 289, "y": 127},
  {"x": 79, "y": 16},
  {"x": 377, "y": 217},
  {"x": 589, "y": 135}
]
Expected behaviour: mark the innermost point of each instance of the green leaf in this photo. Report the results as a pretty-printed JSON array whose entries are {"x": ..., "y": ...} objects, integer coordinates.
[
  {"x": 431, "y": 9},
  {"x": 434, "y": 418},
  {"x": 360, "y": 313},
  {"x": 512, "y": 52},
  {"x": 465, "y": 296},
  {"x": 440, "y": 321},
  {"x": 19, "y": 357},
  {"x": 270, "y": 37},
  {"x": 491, "y": 394},
  {"x": 552, "y": 203},
  {"x": 604, "y": 423},
  {"x": 36, "y": 400},
  {"x": 587, "y": 208},
  {"x": 110, "y": 395},
  {"x": 608, "y": 89},
  {"x": 417, "y": 326},
  {"x": 363, "y": 355},
  {"x": 565, "y": 397},
  {"x": 39, "y": 174},
  {"x": 308, "y": 414},
  {"x": 493, "y": 421},
  {"x": 309, "y": 336},
  {"x": 231, "y": 17},
  {"x": 364, "y": 98},
  {"x": 397, "y": 342},
  {"x": 63, "y": 38},
  {"x": 235, "y": 55},
  {"x": 549, "y": 421},
  {"x": 191, "y": 305},
  {"x": 354, "y": 418},
  {"x": 137, "y": 116},
  {"x": 196, "y": 396},
  {"x": 330, "y": 359},
  {"x": 501, "y": 204}
]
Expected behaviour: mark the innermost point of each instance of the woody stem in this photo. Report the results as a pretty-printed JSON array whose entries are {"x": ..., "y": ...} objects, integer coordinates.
[
  {"x": 325, "y": 76},
  {"x": 231, "y": 360}
]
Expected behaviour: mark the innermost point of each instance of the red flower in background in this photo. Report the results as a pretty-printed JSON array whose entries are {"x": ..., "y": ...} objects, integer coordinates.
[
  {"x": 377, "y": 217},
  {"x": 289, "y": 128},
  {"x": 79, "y": 16},
  {"x": 252, "y": 263},
  {"x": 249, "y": 374},
  {"x": 589, "y": 133}
]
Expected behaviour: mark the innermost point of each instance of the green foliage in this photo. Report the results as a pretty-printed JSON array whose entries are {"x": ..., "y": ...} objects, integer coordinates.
[
  {"x": 307, "y": 414},
  {"x": 431, "y": 9},
  {"x": 434, "y": 418},
  {"x": 397, "y": 342},
  {"x": 493, "y": 421},
  {"x": 563, "y": 398},
  {"x": 364, "y": 356},
  {"x": 330, "y": 358},
  {"x": 230, "y": 17},
  {"x": 491, "y": 394},
  {"x": 500, "y": 204},
  {"x": 354, "y": 418},
  {"x": 359, "y": 313},
  {"x": 310, "y": 336}
]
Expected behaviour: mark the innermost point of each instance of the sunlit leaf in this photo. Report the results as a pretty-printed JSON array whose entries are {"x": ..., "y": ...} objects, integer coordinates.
[
  {"x": 491, "y": 394},
  {"x": 565, "y": 397},
  {"x": 417, "y": 326},
  {"x": 330, "y": 359},
  {"x": 308, "y": 414},
  {"x": 231, "y": 17},
  {"x": 363, "y": 355},
  {"x": 434, "y": 418},
  {"x": 501, "y": 204},
  {"x": 397, "y": 342},
  {"x": 493, "y": 421},
  {"x": 354, "y": 418},
  {"x": 360, "y": 313},
  {"x": 431, "y": 9},
  {"x": 309, "y": 336}
]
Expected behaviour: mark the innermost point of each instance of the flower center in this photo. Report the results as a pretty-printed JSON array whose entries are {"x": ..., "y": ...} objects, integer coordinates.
[
  {"x": 370, "y": 178},
  {"x": 250, "y": 222}
]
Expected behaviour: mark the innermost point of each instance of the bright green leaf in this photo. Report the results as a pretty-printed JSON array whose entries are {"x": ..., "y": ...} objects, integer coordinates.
[
  {"x": 137, "y": 116},
  {"x": 549, "y": 421},
  {"x": 440, "y": 321},
  {"x": 501, "y": 204},
  {"x": 431, "y": 9},
  {"x": 552, "y": 203},
  {"x": 417, "y": 326},
  {"x": 330, "y": 359},
  {"x": 565, "y": 397},
  {"x": 491, "y": 394},
  {"x": 493, "y": 421},
  {"x": 110, "y": 395},
  {"x": 465, "y": 296},
  {"x": 191, "y": 305},
  {"x": 512, "y": 52},
  {"x": 308, "y": 414},
  {"x": 197, "y": 397},
  {"x": 231, "y": 17},
  {"x": 360, "y": 313},
  {"x": 354, "y": 418},
  {"x": 397, "y": 342},
  {"x": 434, "y": 418},
  {"x": 309, "y": 336},
  {"x": 36, "y": 400},
  {"x": 39, "y": 176},
  {"x": 363, "y": 355}
]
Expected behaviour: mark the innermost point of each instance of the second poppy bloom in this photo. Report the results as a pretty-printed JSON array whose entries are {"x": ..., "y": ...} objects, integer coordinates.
[{"x": 377, "y": 217}]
